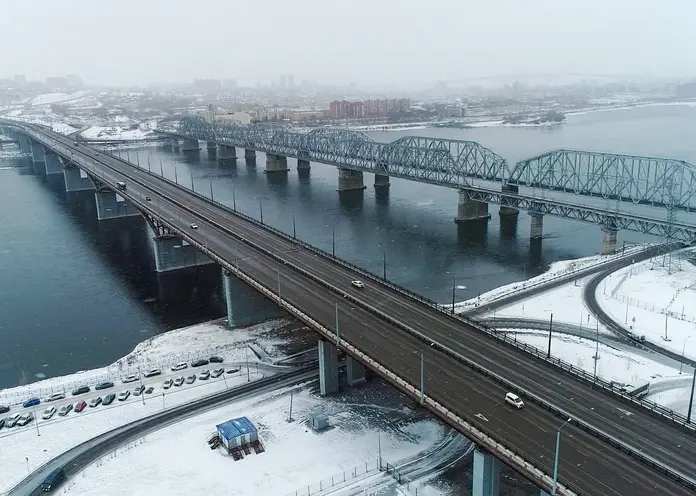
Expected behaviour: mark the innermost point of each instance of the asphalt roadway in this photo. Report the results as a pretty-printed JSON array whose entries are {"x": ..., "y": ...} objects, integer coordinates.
[{"x": 588, "y": 465}]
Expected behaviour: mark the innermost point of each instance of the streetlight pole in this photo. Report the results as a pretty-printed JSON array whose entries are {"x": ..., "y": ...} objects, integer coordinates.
[
  {"x": 294, "y": 231},
  {"x": 211, "y": 189},
  {"x": 681, "y": 364},
  {"x": 161, "y": 168},
  {"x": 384, "y": 264},
  {"x": 261, "y": 210},
  {"x": 246, "y": 351},
  {"x": 234, "y": 200},
  {"x": 596, "y": 355},
  {"x": 278, "y": 272},
  {"x": 453, "y": 282},
  {"x": 338, "y": 336},
  {"x": 176, "y": 176},
  {"x": 422, "y": 377},
  {"x": 691, "y": 397},
  {"x": 555, "y": 462},
  {"x": 333, "y": 242},
  {"x": 548, "y": 354}
]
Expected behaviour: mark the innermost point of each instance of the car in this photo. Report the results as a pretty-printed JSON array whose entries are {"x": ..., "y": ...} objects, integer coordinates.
[
  {"x": 49, "y": 412},
  {"x": 194, "y": 226},
  {"x": 120, "y": 185},
  {"x": 152, "y": 373},
  {"x": 124, "y": 395},
  {"x": 31, "y": 402},
  {"x": 179, "y": 366},
  {"x": 104, "y": 385},
  {"x": 233, "y": 370},
  {"x": 2, "y": 422},
  {"x": 147, "y": 198},
  {"x": 129, "y": 378},
  {"x": 96, "y": 153},
  {"x": 215, "y": 359},
  {"x": 167, "y": 384},
  {"x": 76, "y": 144},
  {"x": 81, "y": 390},
  {"x": 108, "y": 399},
  {"x": 4, "y": 409},
  {"x": 65, "y": 409},
  {"x": 514, "y": 400},
  {"x": 55, "y": 397},
  {"x": 199, "y": 363},
  {"x": 95, "y": 402},
  {"x": 358, "y": 284},
  {"x": 217, "y": 372},
  {"x": 24, "y": 419},
  {"x": 149, "y": 390},
  {"x": 191, "y": 379},
  {"x": 12, "y": 421},
  {"x": 139, "y": 390},
  {"x": 80, "y": 406},
  {"x": 204, "y": 375},
  {"x": 53, "y": 480},
  {"x": 179, "y": 381}
]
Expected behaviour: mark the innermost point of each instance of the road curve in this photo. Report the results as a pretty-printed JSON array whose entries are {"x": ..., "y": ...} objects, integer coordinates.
[{"x": 590, "y": 465}]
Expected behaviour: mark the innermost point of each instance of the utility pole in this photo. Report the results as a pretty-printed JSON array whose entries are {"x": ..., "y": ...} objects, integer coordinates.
[
  {"x": 234, "y": 201},
  {"x": 211, "y": 189},
  {"x": 596, "y": 357},
  {"x": 691, "y": 398},
  {"x": 453, "y": 282},
  {"x": 338, "y": 337},
  {"x": 384, "y": 264},
  {"x": 333, "y": 242},
  {"x": 294, "y": 231},
  {"x": 261, "y": 210},
  {"x": 548, "y": 354},
  {"x": 290, "y": 416}
]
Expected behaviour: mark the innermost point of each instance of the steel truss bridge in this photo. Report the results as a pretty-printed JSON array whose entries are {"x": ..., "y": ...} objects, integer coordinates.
[{"x": 667, "y": 185}]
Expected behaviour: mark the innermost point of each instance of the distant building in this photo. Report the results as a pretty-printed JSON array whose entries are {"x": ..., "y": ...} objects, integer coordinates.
[
  {"x": 450, "y": 112},
  {"x": 57, "y": 83},
  {"x": 300, "y": 115},
  {"x": 238, "y": 117},
  {"x": 20, "y": 79},
  {"x": 74, "y": 82},
  {"x": 342, "y": 109},
  {"x": 229, "y": 84},
  {"x": 207, "y": 85},
  {"x": 237, "y": 432},
  {"x": 210, "y": 113}
]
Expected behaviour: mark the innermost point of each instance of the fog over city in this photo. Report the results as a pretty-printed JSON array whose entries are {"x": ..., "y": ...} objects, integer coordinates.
[{"x": 369, "y": 42}]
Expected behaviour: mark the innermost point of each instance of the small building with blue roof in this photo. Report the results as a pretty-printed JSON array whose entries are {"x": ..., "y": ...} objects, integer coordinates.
[{"x": 237, "y": 432}]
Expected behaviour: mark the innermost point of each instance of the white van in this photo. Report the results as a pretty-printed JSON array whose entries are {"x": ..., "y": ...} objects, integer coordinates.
[{"x": 514, "y": 400}]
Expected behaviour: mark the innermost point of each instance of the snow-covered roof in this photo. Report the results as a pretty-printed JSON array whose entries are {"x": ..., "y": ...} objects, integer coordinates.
[{"x": 235, "y": 428}]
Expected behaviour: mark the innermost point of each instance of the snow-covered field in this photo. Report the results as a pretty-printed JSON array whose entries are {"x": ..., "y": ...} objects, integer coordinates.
[{"x": 115, "y": 133}]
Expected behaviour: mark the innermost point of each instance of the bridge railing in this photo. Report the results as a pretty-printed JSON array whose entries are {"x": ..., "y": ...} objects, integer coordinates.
[{"x": 567, "y": 367}]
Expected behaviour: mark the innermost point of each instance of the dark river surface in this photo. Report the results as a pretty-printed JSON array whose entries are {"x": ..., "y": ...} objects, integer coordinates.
[{"x": 76, "y": 293}]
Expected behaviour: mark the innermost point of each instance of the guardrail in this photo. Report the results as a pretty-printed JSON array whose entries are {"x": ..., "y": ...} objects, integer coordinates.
[
  {"x": 567, "y": 367},
  {"x": 344, "y": 477},
  {"x": 430, "y": 403}
]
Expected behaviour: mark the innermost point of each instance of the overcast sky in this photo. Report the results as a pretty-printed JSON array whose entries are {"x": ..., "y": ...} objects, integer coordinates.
[{"x": 367, "y": 41}]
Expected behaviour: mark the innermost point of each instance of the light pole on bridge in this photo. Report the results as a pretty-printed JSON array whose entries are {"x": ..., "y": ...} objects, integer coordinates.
[
  {"x": 555, "y": 461},
  {"x": 681, "y": 363}
]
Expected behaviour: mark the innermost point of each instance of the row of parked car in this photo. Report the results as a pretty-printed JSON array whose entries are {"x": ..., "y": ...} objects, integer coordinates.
[{"x": 203, "y": 376}]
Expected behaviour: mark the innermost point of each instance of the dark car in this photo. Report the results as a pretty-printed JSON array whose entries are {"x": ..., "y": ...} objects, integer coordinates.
[
  {"x": 81, "y": 390},
  {"x": 149, "y": 390},
  {"x": 200, "y": 363},
  {"x": 216, "y": 359},
  {"x": 108, "y": 399},
  {"x": 53, "y": 480},
  {"x": 104, "y": 385},
  {"x": 31, "y": 402},
  {"x": 2, "y": 423},
  {"x": 4, "y": 409}
]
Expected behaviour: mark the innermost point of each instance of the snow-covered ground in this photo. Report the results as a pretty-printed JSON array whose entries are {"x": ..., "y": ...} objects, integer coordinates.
[
  {"x": 115, "y": 132},
  {"x": 654, "y": 302}
]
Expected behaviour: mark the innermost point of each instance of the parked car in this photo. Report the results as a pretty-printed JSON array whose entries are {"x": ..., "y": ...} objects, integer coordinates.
[
  {"x": 31, "y": 402},
  {"x": 216, "y": 359},
  {"x": 129, "y": 378},
  {"x": 49, "y": 412},
  {"x": 2, "y": 422},
  {"x": 179, "y": 366},
  {"x": 167, "y": 384},
  {"x": 233, "y": 370},
  {"x": 199, "y": 363},
  {"x": 204, "y": 375},
  {"x": 81, "y": 390},
  {"x": 55, "y": 397},
  {"x": 95, "y": 402},
  {"x": 191, "y": 379},
  {"x": 108, "y": 399},
  {"x": 149, "y": 390},
  {"x": 104, "y": 385},
  {"x": 11, "y": 421},
  {"x": 138, "y": 391},
  {"x": 65, "y": 409},
  {"x": 4, "y": 409},
  {"x": 24, "y": 419},
  {"x": 80, "y": 406},
  {"x": 152, "y": 373},
  {"x": 217, "y": 372},
  {"x": 179, "y": 381},
  {"x": 124, "y": 395}
]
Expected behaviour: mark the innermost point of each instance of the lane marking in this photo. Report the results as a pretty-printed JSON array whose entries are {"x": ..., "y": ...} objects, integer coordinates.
[{"x": 478, "y": 415}]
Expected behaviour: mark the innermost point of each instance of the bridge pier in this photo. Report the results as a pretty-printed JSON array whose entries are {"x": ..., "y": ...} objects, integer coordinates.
[
  {"x": 39, "y": 157},
  {"x": 246, "y": 306},
  {"x": 173, "y": 253},
  {"x": 328, "y": 368},
  {"x": 276, "y": 163},
  {"x": 76, "y": 180},
  {"x": 382, "y": 181},
  {"x": 536, "y": 229},
  {"x": 226, "y": 152},
  {"x": 486, "y": 475},
  {"x": 303, "y": 165},
  {"x": 212, "y": 149},
  {"x": 349, "y": 180},
  {"x": 190, "y": 145},
  {"x": 54, "y": 165},
  {"x": 24, "y": 143},
  {"x": 469, "y": 210},
  {"x": 110, "y": 207},
  {"x": 355, "y": 372},
  {"x": 511, "y": 209},
  {"x": 609, "y": 240},
  {"x": 250, "y": 156}
]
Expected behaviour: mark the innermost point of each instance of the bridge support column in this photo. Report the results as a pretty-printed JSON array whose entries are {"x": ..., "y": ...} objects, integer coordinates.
[
  {"x": 226, "y": 152},
  {"x": 76, "y": 180},
  {"x": 246, "y": 306},
  {"x": 536, "y": 229},
  {"x": 39, "y": 157},
  {"x": 54, "y": 165},
  {"x": 609, "y": 240},
  {"x": 382, "y": 181},
  {"x": 303, "y": 165},
  {"x": 328, "y": 368},
  {"x": 349, "y": 180},
  {"x": 173, "y": 253},
  {"x": 110, "y": 207},
  {"x": 276, "y": 163},
  {"x": 355, "y": 371},
  {"x": 486, "y": 475},
  {"x": 212, "y": 149},
  {"x": 510, "y": 210},
  {"x": 24, "y": 143},
  {"x": 469, "y": 210},
  {"x": 250, "y": 156},
  {"x": 190, "y": 145}
]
